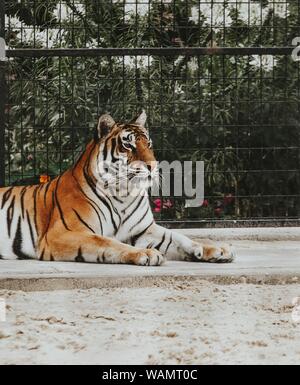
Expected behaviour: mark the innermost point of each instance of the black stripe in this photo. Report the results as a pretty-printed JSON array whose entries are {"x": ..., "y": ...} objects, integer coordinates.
[
  {"x": 23, "y": 192},
  {"x": 30, "y": 229},
  {"x": 120, "y": 143},
  {"x": 113, "y": 149},
  {"x": 117, "y": 199},
  {"x": 93, "y": 188},
  {"x": 169, "y": 244},
  {"x": 113, "y": 208},
  {"x": 134, "y": 210},
  {"x": 59, "y": 207},
  {"x": 49, "y": 218},
  {"x": 46, "y": 193},
  {"x": 10, "y": 215},
  {"x": 161, "y": 243},
  {"x": 140, "y": 220},
  {"x": 35, "y": 208},
  {"x": 82, "y": 221},
  {"x": 41, "y": 258},
  {"x": 90, "y": 202},
  {"x": 109, "y": 203},
  {"x": 129, "y": 146},
  {"x": 92, "y": 185},
  {"x": 135, "y": 238},
  {"x": 6, "y": 196},
  {"x": 130, "y": 204},
  {"x": 17, "y": 244},
  {"x": 79, "y": 257},
  {"x": 105, "y": 149}
]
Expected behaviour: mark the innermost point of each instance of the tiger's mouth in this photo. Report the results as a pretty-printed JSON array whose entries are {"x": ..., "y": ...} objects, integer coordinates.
[
  {"x": 144, "y": 173},
  {"x": 128, "y": 176},
  {"x": 138, "y": 173}
]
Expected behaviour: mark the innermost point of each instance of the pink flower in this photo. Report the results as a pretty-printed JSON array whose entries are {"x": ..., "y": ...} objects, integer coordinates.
[
  {"x": 205, "y": 203},
  {"x": 158, "y": 202},
  {"x": 162, "y": 204},
  {"x": 167, "y": 204}
]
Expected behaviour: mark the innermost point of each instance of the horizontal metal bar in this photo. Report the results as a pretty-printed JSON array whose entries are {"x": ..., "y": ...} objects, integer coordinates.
[
  {"x": 227, "y": 223},
  {"x": 157, "y": 51}
]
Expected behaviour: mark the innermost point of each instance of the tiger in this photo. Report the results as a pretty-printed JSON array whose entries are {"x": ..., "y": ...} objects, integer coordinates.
[{"x": 80, "y": 217}]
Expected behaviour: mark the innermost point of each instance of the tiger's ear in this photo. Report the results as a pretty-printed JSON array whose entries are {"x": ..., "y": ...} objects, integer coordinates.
[
  {"x": 141, "y": 119},
  {"x": 105, "y": 124}
]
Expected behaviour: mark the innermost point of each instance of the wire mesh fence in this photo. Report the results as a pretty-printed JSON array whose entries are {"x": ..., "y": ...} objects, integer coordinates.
[{"x": 236, "y": 108}]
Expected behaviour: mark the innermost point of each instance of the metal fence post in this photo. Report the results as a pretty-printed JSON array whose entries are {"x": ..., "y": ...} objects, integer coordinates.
[{"x": 2, "y": 92}]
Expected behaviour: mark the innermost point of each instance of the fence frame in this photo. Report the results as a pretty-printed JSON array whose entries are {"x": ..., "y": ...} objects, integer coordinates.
[
  {"x": 155, "y": 51},
  {"x": 3, "y": 95}
]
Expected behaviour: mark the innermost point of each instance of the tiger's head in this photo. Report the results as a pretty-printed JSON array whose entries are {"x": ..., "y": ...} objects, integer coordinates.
[{"x": 126, "y": 155}]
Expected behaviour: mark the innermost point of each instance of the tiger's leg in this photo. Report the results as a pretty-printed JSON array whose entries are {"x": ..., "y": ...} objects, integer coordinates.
[
  {"x": 81, "y": 247},
  {"x": 176, "y": 246}
]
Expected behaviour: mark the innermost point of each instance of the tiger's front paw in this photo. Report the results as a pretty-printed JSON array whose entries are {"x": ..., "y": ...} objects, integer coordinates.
[
  {"x": 196, "y": 252},
  {"x": 146, "y": 257},
  {"x": 218, "y": 254},
  {"x": 150, "y": 257}
]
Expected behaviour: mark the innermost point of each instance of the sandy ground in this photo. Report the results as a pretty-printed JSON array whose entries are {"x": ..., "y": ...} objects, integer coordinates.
[{"x": 175, "y": 322}]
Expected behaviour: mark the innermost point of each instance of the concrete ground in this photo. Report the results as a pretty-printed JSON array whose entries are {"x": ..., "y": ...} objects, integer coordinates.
[
  {"x": 245, "y": 312},
  {"x": 257, "y": 261}
]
